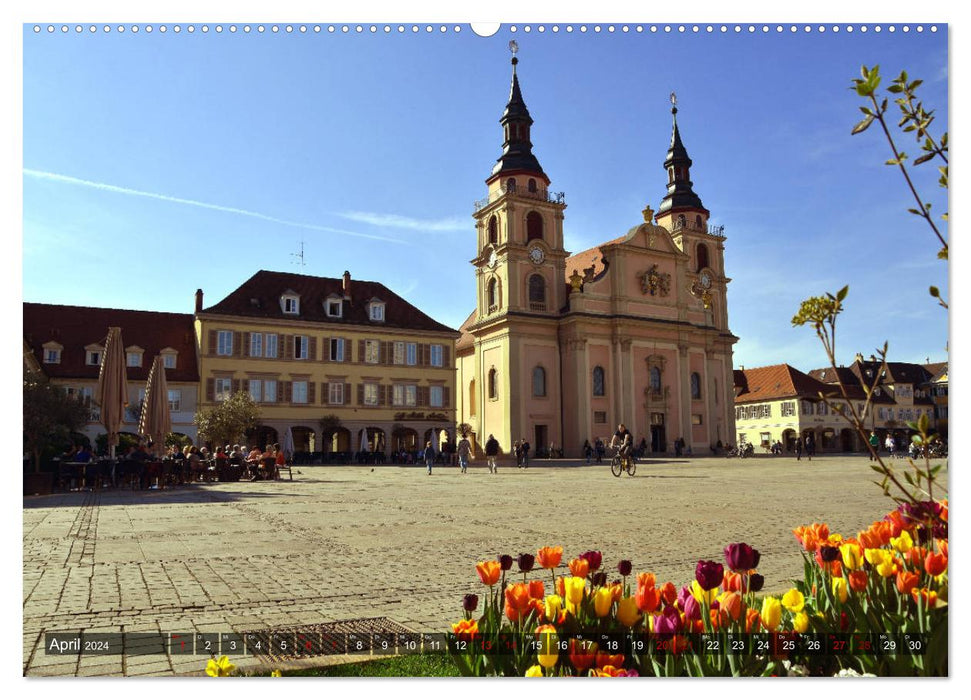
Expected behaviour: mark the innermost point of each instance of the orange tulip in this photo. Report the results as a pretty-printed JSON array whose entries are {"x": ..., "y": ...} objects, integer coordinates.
[
  {"x": 648, "y": 580},
  {"x": 604, "y": 659},
  {"x": 517, "y": 597},
  {"x": 752, "y": 620},
  {"x": 582, "y": 653},
  {"x": 669, "y": 593},
  {"x": 730, "y": 603},
  {"x": 732, "y": 581},
  {"x": 616, "y": 592},
  {"x": 560, "y": 588},
  {"x": 537, "y": 590},
  {"x": 648, "y": 599},
  {"x": 810, "y": 536},
  {"x": 915, "y": 557},
  {"x": 466, "y": 629},
  {"x": 935, "y": 564},
  {"x": 488, "y": 572},
  {"x": 858, "y": 581},
  {"x": 579, "y": 567},
  {"x": 877, "y": 535},
  {"x": 907, "y": 581},
  {"x": 930, "y": 597},
  {"x": 897, "y": 523},
  {"x": 549, "y": 557}
]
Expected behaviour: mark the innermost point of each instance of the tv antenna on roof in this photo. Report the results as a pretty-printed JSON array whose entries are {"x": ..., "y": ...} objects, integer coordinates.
[{"x": 299, "y": 256}]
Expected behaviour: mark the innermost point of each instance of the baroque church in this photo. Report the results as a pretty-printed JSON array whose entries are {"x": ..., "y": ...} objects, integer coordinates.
[{"x": 562, "y": 347}]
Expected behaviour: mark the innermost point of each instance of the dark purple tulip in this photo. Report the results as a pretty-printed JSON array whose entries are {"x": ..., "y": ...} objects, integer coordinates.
[
  {"x": 828, "y": 554},
  {"x": 625, "y": 567},
  {"x": 526, "y": 562},
  {"x": 594, "y": 559},
  {"x": 668, "y": 622},
  {"x": 505, "y": 562},
  {"x": 470, "y": 602},
  {"x": 741, "y": 557},
  {"x": 709, "y": 574},
  {"x": 599, "y": 578},
  {"x": 755, "y": 582}
]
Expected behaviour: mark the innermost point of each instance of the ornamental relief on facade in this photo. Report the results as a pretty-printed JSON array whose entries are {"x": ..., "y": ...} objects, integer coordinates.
[{"x": 655, "y": 283}]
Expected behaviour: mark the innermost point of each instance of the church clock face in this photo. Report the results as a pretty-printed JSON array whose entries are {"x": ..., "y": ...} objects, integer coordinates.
[
  {"x": 706, "y": 280},
  {"x": 493, "y": 259},
  {"x": 536, "y": 255}
]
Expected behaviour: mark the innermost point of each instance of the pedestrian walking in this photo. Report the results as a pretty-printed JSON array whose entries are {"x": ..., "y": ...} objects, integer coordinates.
[
  {"x": 599, "y": 449},
  {"x": 587, "y": 451},
  {"x": 492, "y": 451},
  {"x": 464, "y": 452},
  {"x": 889, "y": 444},
  {"x": 429, "y": 456},
  {"x": 810, "y": 446},
  {"x": 798, "y": 448},
  {"x": 525, "y": 448},
  {"x": 874, "y": 445},
  {"x": 517, "y": 449}
]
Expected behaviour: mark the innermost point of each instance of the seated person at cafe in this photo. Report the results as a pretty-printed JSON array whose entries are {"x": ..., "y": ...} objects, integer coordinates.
[
  {"x": 83, "y": 454},
  {"x": 70, "y": 453},
  {"x": 281, "y": 458},
  {"x": 141, "y": 454},
  {"x": 195, "y": 461},
  {"x": 254, "y": 455},
  {"x": 237, "y": 456},
  {"x": 221, "y": 453}
]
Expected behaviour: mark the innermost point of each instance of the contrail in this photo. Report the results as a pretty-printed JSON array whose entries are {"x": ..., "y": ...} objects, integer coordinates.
[{"x": 40, "y": 174}]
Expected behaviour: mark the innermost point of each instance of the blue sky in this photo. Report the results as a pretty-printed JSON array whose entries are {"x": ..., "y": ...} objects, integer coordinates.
[{"x": 194, "y": 160}]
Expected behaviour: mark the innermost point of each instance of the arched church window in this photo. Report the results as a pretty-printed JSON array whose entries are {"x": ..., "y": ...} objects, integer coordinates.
[
  {"x": 695, "y": 385},
  {"x": 511, "y": 185},
  {"x": 539, "y": 381},
  {"x": 537, "y": 290},
  {"x": 534, "y": 226},
  {"x": 492, "y": 294},
  {"x": 492, "y": 383},
  {"x": 598, "y": 381},
  {"x": 698, "y": 222},
  {"x": 494, "y": 230},
  {"x": 472, "y": 398},
  {"x": 681, "y": 221},
  {"x": 656, "y": 379},
  {"x": 532, "y": 185},
  {"x": 703, "y": 261}
]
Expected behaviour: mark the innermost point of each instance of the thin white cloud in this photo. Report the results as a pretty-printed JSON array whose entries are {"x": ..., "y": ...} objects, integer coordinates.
[
  {"x": 55, "y": 177},
  {"x": 406, "y": 222}
]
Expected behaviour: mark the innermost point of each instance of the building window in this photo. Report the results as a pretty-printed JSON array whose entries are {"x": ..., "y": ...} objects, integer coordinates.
[
  {"x": 539, "y": 381},
  {"x": 133, "y": 359},
  {"x": 370, "y": 394},
  {"x": 404, "y": 395},
  {"x": 695, "y": 385},
  {"x": 511, "y": 185},
  {"x": 269, "y": 390},
  {"x": 599, "y": 417},
  {"x": 703, "y": 261},
  {"x": 94, "y": 357},
  {"x": 807, "y": 408},
  {"x": 335, "y": 393},
  {"x": 492, "y": 295},
  {"x": 299, "y": 394},
  {"x": 175, "y": 400},
  {"x": 271, "y": 344},
  {"x": 493, "y": 393},
  {"x": 436, "y": 396},
  {"x": 531, "y": 186},
  {"x": 411, "y": 395},
  {"x": 335, "y": 308},
  {"x": 300, "y": 347},
  {"x": 655, "y": 377},
  {"x": 598, "y": 381},
  {"x": 52, "y": 356},
  {"x": 291, "y": 305},
  {"x": 695, "y": 419},
  {"x": 336, "y": 349},
  {"x": 399, "y": 353},
  {"x": 436, "y": 355},
  {"x": 537, "y": 293},
  {"x": 534, "y": 226},
  {"x": 168, "y": 360},
  {"x": 494, "y": 230},
  {"x": 412, "y": 353},
  {"x": 256, "y": 344},
  {"x": 256, "y": 390},
  {"x": 822, "y": 409},
  {"x": 377, "y": 311},
  {"x": 224, "y": 342},
  {"x": 224, "y": 388},
  {"x": 788, "y": 409},
  {"x": 472, "y": 398},
  {"x": 765, "y": 438},
  {"x": 372, "y": 351}
]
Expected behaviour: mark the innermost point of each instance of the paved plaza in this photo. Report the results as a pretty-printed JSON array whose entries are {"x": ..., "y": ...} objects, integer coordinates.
[{"x": 346, "y": 543}]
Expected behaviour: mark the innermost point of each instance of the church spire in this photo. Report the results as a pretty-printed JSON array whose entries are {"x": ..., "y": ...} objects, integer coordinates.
[
  {"x": 680, "y": 196},
  {"x": 517, "y": 154}
]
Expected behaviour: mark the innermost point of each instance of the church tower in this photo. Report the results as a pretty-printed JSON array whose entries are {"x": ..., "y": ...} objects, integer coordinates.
[{"x": 519, "y": 267}]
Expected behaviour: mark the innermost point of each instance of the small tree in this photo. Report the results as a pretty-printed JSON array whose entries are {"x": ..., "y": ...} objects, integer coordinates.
[
  {"x": 50, "y": 415},
  {"x": 228, "y": 421}
]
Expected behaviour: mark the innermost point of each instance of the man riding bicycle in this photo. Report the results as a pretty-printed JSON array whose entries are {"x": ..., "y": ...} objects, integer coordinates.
[{"x": 624, "y": 442}]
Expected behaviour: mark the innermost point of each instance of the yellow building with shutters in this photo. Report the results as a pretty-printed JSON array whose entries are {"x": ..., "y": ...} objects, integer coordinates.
[{"x": 311, "y": 349}]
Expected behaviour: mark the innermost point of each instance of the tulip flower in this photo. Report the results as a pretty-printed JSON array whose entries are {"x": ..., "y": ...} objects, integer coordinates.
[
  {"x": 730, "y": 603},
  {"x": 470, "y": 602},
  {"x": 741, "y": 557},
  {"x": 550, "y": 557},
  {"x": 701, "y": 595},
  {"x": 800, "y": 623},
  {"x": 887, "y": 567},
  {"x": 537, "y": 589},
  {"x": 465, "y": 629},
  {"x": 646, "y": 579},
  {"x": 548, "y": 653},
  {"x": 582, "y": 653},
  {"x": 220, "y": 668},
  {"x": 669, "y": 593},
  {"x": 935, "y": 564},
  {"x": 276, "y": 674},
  {"x": 852, "y": 555},
  {"x": 599, "y": 578},
  {"x": 839, "y": 589},
  {"x": 604, "y": 659},
  {"x": 732, "y": 581},
  {"x": 794, "y": 601},
  {"x": 876, "y": 556},
  {"x": 624, "y": 567},
  {"x": 692, "y": 610},
  {"x": 828, "y": 554},
  {"x": 594, "y": 559},
  {"x": 574, "y": 587},
  {"x": 579, "y": 567},
  {"x": 488, "y": 572},
  {"x": 752, "y": 620},
  {"x": 907, "y": 581},
  {"x": 628, "y": 612},
  {"x": 668, "y": 622},
  {"x": 858, "y": 581},
  {"x": 930, "y": 597},
  {"x": 755, "y": 582},
  {"x": 648, "y": 598},
  {"x": 603, "y": 599},
  {"x": 552, "y": 607},
  {"x": 771, "y": 613},
  {"x": 525, "y": 562},
  {"x": 903, "y": 543},
  {"x": 709, "y": 574},
  {"x": 517, "y": 601},
  {"x": 534, "y": 672}
]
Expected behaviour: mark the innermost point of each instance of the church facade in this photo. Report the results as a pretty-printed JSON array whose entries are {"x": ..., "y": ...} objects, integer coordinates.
[{"x": 562, "y": 347}]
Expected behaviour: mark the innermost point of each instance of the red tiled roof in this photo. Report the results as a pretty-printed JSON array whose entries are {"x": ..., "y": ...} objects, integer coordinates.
[
  {"x": 259, "y": 297},
  {"x": 777, "y": 382},
  {"x": 936, "y": 369},
  {"x": 75, "y": 327},
  {"x": 466, "y": 339}
]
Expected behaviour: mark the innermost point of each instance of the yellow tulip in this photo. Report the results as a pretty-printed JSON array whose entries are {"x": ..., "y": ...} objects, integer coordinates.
[
  {"x": 888, "y": 567},
  {"x": 902, "y": 544},
  {"x": 534, "y": 672},
  {"x": 602, "y": 600},
  {"x": 219, "y": 668},
  {"x": 840, "y": 590},
  {"x": 800, "y": 623},
  {"x": 851, "y": 555},
  {"x": 573, "y": 587},
  {"x": 771, "y": 613},
  {"x": 549, "y": 652},
  {"x": 276, "y": 674},
  {"x": 627, "y": 612},
  {"x": 794, "y": 601},
  {"x": 553, "y": 605},
  {"x": 701, "y": 595},
  {"x": 876, "y": 556}
]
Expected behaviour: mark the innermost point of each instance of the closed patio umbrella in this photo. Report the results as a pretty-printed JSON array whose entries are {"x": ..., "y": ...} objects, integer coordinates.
[
  {"x": 287, "y": 446},
  {"x": 364, "y": 444},
  {"x": 112, "y": 390},
  {"x": 156, "y": 421}
]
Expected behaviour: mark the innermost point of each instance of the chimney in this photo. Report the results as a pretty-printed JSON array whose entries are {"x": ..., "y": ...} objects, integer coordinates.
[
  {"x": 198, "y": 300},
  {"x": 347, "y": 285}
]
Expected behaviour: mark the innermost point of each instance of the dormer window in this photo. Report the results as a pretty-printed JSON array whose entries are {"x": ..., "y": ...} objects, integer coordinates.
[
  {"x": 52, "y": 353},
  {"x": 133, "y": 356},
  {"x": 334, "y": 306},
  {"x": 169, "y": 356},
  {"x": 92, "y": 354},
  {"x": 376, "y": 310},
  {"x": 290, "y": 303}
]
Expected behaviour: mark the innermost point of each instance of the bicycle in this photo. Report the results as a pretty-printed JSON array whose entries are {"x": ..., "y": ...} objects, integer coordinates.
[{"x": 617, "y": 463}]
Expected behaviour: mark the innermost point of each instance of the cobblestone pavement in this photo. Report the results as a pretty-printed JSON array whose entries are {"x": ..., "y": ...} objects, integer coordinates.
[{"x": 340, "y": 543}]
